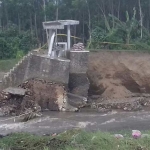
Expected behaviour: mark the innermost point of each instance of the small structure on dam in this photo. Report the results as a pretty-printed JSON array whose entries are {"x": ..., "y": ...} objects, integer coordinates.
[
  {"x": 54, "y": 81},
  {"x": 51, "y": 28}
]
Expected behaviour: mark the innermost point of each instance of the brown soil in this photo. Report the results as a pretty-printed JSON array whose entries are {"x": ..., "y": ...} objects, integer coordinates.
[
  {"x": 49, "y": 95},
  {"x": 119, "y": 74},
  {"x": 40, "y": 94}
]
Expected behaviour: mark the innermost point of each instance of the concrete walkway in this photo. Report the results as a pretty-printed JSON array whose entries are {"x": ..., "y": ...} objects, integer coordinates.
[{"x": 54, "y": 122}]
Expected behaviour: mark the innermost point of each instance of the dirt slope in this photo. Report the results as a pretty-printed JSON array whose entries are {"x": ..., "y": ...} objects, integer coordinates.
[{"x": 119, "y": 74}]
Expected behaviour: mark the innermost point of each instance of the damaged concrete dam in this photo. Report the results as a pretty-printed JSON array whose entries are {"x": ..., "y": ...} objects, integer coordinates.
[
  {"x": 53, "y": 84},
  {"x": 68, "y": 79},
  {"x": 100, "y": 81}
]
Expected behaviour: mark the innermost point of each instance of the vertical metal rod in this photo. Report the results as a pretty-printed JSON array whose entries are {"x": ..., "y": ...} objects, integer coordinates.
[
  {"x": 56, "y": 39},
  {"x": 68, "y": 37}
]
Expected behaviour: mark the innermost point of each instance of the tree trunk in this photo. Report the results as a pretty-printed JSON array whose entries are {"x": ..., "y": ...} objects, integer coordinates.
[
  {"x": 6, "y": 14},
  {"x": 35, "y": 24},
  {"x": 141, "y": 18},
  {"x": 89, "y": 23},
  {"x": 119, "y": 10},
  {"x": 31, "y": 27},
  {"x": 112, "y": 12},
  {"x": 128, "y": 39},
  {"x": 19, "y": 23},
  {"x": 44, "y": 6},
  {"x": 83, "y": 28}
]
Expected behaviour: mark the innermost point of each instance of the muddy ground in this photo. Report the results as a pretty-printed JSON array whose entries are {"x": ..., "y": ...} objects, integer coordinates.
[{"x": 119, "y": 75}]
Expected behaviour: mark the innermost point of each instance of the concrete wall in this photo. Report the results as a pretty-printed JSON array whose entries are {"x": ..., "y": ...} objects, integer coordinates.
[
  {"x": 34, "y": 66},
  {"x": 16, "y": 75},
  {"x": 50, "y": 69},
  {"x": 71, "y": 72}
]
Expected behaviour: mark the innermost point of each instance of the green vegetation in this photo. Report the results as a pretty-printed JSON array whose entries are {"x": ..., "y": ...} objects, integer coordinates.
[
  {"x": 73, "y": 140},
  {"x": 14, "y": 44},
  {"x": 6, "y": 65},
  {"x": 104, "y": 24},
  {"x": 117, "y": 34}
]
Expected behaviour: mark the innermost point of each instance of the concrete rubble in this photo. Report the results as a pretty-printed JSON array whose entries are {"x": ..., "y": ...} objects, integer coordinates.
[
  {"x": 36, "y": 95},
  {"x": 128, "y": 104}
]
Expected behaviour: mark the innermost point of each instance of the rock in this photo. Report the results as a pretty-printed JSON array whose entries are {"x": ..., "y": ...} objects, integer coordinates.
[
  {"x": 15, "y": 91},
  {"x": 119, "y": 136},
  {"x": 55, "y": 134},
  {"x": 103, "y": 110},
  {"x": 76, "y": 101}
]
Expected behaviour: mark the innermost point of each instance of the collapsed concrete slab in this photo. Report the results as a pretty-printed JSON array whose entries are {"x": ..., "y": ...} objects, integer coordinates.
[{"x": 15, "y": 91}]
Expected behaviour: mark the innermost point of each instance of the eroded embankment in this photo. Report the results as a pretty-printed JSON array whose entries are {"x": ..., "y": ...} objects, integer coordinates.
[{"x": 118, "y": 75}]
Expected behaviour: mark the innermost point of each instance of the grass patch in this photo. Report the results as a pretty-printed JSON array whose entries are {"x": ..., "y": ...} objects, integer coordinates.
[
  {"x": 6, "y": 65},
  {"x": 73, "y": 140}
]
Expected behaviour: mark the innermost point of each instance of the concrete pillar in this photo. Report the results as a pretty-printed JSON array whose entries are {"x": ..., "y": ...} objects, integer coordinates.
[
  {"x": 51, "y": 41},
  {"x": 78, "y": 80}
]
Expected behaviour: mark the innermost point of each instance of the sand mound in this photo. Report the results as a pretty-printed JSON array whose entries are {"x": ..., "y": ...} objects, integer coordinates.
[{"x": 119, "y": 74}]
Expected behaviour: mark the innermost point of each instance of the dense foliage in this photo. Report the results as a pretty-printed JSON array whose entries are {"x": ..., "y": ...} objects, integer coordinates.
[
  {"x": 115, "y": 21},
  {"x": 14, "y": 44}
]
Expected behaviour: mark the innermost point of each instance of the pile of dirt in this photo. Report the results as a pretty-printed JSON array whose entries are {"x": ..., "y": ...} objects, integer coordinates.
[
  {"x": 117, "y": 75},
  {"x": 33, "y": 95}
]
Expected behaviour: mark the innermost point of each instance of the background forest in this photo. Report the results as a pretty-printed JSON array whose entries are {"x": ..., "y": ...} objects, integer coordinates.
[{"x": 109, "y": 24}]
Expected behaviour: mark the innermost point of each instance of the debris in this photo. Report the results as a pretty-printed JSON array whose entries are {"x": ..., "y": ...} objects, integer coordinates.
[
  {"x": 119, "y": 136},
  {"x": 55, "y": 134},
  {"x": 78, "y": 47},
  {"x": 136, "y": 134},
  {"x": 31, "y": 115},
  {"x": 6, "y": 111}
]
